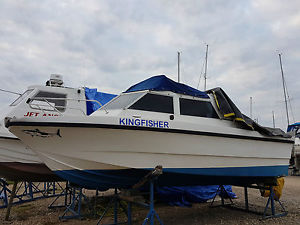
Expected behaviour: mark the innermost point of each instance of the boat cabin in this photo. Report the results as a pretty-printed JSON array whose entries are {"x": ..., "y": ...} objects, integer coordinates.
[{"x": 163, "y": 102}]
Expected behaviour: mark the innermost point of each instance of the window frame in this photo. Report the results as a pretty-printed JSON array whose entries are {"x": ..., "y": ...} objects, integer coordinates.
[
  {"x": 58, "y": 108},
  {"x": 117, "y": 97},
  {"x": 165, "y": 94},
  {"x": 200, "y": 100}
]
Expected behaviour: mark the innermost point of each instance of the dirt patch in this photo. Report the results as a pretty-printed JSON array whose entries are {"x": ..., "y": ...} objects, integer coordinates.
[{"x": 37, "y": 212}]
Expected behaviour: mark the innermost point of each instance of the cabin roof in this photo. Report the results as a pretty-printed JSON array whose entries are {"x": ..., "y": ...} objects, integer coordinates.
[{"x": 163, "y": 83}]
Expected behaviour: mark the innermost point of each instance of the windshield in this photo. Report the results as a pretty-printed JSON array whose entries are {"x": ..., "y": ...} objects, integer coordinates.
[
  {"x": 21, "y": 97},
  {"x": 122, "y": 101},
  {"x": 49, "y": 101}
]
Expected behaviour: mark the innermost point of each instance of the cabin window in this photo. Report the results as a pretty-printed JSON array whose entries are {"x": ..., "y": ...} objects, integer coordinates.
[
  {"x": 191, "y": 107},
  {"x": 122, "y": 101},
  {"x": 154, "y": 103},
  {"x": 49, "y": 101}
]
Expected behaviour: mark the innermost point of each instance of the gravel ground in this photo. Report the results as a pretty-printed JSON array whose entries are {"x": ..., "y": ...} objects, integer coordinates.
[{"x": 37, "y": 212}]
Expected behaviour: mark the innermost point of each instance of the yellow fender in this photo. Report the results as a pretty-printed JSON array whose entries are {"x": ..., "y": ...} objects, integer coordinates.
[{"x": 277, "y": 189}]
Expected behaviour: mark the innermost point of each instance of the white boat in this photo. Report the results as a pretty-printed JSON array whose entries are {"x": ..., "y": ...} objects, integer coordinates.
[
  {"x": 156, "y": 122},
  {"x": 18, "y": 161}
]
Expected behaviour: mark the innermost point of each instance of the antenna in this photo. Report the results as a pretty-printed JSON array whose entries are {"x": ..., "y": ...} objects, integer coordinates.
[
  {"x": 11, "y": 92},
  {"x": 251, "y": 107},
  {"x": 273, "y": 116},
  {"x": 178, "y": 66},
  {"x": 284, "y": 90},
  {"x": 205, "y": 71}
]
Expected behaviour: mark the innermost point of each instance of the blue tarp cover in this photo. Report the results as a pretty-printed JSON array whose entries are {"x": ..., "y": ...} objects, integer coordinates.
[
  {"x": 292, "y": 126},
  {"x": 162, "y": 83},
  {"x": 185, "y": 196},
  {"x": 92, "y": 94}
]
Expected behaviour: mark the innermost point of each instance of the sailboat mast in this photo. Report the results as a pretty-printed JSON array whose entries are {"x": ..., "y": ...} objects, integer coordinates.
[
  {"x": 205, "y": 71},
  {"x": 284, "y": 90},
  {"x": 251, "y": 107},
  {"x": 273, "y": 116},
  {"x": 178, "y": 66}
]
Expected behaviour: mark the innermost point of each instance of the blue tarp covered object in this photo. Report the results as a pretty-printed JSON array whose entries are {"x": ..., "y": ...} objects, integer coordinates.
[
  {"x": 92, "y": 94},
  {"x": 162, "y": 83},
  {"x": 293, "y": 126},
  {"x": 186, "y": 195}
]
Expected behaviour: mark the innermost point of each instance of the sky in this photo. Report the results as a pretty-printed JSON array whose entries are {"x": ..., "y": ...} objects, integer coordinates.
[{"x": 113, "y": 44}]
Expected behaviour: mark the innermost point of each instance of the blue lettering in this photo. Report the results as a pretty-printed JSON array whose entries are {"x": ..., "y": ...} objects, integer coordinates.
[
  {"x": 137, "y": 122},
  {"x": 131, "y": 122},
  {"x": 143, "y": 122},
  {"x": 140, "y": 122},
  {"x": 122, "y": 121},
  {"x": 150, "y": 123}
]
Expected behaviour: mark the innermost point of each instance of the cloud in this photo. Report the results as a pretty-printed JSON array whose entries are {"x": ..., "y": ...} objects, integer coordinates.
[{"x": 114, "y": 44}]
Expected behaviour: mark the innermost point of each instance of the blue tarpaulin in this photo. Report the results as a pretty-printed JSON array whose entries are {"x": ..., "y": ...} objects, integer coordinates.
[
  {"x": 185, "y": 196},
  {"x": 293, "y": 126},
  {"x": 162, "y": 83},
  {"x": 92, "y": 94}
]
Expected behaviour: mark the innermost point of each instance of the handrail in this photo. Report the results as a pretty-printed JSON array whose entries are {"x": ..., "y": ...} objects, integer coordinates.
[
  {"x": 53, "y": 107},
  {"x": 45, "y": 99}
]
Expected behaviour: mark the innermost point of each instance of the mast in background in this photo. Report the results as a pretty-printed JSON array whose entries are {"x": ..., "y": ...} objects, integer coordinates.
[
  {"x": 251, "y": 107},
  {"x": 273, "y": 116},
  {"x": 205, "y": 71},
  {"x": 178, "y": 66},
  {"x": 284, "y": 90}
]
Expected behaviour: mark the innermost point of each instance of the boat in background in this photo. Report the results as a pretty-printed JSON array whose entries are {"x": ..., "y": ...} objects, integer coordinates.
[
  {"x": 18, "y": 162},
  {"x": 295, "y": 157},
  {"x": 199, "y": 138}
]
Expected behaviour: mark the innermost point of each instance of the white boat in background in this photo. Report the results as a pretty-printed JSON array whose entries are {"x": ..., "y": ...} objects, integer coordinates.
[
  {"x": 155, "y": 122},
  {"x": 295, "y": 157},
  {"x": 19, "y": 162}
]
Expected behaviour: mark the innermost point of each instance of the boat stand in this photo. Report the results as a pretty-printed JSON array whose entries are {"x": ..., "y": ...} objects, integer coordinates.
[
  {"x": 152, "y": 213},
  {"x": 114, "y": 202},
  {"x": 3, "y": 194},
  {"x": 11, "y": 199},
  {"x": 271, "y": 199},
  {"x": 74, "y": 208},
  {"x": 150, "y": 178},
  {"x": 27, "y": 191},
  {"x": 221, "y": 191},
  {"x": 65, "y": 193},
  {"x": 270, "y": 203}
]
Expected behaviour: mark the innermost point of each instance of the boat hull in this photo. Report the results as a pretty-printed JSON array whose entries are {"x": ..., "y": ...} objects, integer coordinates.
[
  {"x": 126, "y": 178},
  {"x": 31, "y": 172},
  {"x": 120, "y": 156},
  {"x": 18, "y": 162}
]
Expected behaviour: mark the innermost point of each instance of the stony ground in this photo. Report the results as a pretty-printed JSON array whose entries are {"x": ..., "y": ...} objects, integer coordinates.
[{"x": 38, "y": 213}]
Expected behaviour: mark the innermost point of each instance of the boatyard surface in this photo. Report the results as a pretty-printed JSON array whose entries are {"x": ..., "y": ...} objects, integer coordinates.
[{"x": 37, "y": 212}]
